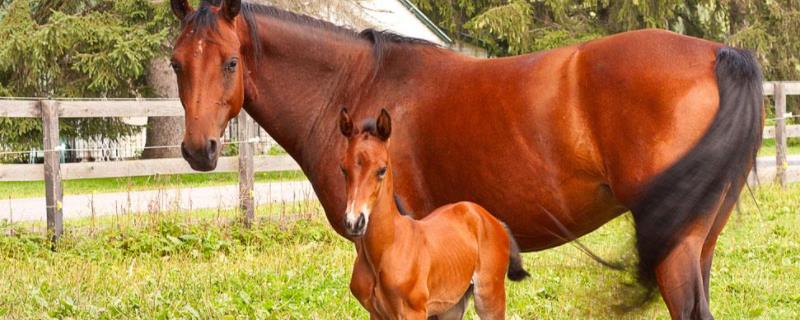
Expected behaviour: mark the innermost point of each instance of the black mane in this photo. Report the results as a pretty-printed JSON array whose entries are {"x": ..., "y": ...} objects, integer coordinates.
[{"x": 205, "y": 18}]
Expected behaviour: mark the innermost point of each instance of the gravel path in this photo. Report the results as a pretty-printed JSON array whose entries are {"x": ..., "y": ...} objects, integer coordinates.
[{"x": 76, "y": 206}]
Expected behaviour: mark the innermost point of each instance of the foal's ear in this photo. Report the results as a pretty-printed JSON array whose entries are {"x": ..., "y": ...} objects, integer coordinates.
[
  {"x": 345, "y": 123},
  {"x": 384, "y": 125},
  {"x": 181, "y": 8},
  {"x": 230, "y": 8}
]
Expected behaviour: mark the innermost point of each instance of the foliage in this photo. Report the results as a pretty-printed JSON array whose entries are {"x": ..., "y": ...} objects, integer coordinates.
[
  {"x": 91, "y": 48},
  {"x": 179, "y": 266},
  {"x": 518, "y": 26}
]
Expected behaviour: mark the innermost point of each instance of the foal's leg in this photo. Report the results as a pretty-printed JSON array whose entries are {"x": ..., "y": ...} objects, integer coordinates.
[
  {"x": 680, "y": 275},
  {"x": 458, "y": 310},
  {"x": 489, "y": 283},
  {"x": 362, "y": 283},
  {"x": 490, "y": 296},
  {"x": 411, "y": 309}
]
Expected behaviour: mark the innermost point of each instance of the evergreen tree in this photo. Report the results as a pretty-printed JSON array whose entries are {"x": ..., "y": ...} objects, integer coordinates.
[
  {"x": 508, "y": 27},
  {"x": 90, "y": 48}
]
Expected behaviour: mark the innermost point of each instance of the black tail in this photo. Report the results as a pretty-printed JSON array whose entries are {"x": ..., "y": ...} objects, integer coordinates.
[
  {"x": 722, "y": 158},
  {"x": 516, "y": 272}
]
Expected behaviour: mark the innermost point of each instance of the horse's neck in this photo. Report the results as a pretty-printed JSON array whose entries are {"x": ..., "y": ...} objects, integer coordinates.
[
  {"x": 386, "y": 225},
  {"x": 302, "y": 78}
]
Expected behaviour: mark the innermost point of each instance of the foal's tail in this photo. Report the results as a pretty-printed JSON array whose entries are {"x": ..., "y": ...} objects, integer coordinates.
[{"x": 516, "y": 272}]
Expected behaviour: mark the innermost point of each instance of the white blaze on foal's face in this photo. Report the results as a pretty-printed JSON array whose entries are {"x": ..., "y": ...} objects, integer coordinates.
[{"x": 201, "y": 45}]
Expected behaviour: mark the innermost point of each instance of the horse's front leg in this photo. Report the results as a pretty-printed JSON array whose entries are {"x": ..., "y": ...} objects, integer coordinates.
[{"x": 362, "y": 284}]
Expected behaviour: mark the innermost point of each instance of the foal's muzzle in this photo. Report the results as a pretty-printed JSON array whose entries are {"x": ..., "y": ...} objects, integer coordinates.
[{"x": 356, "y": 227}]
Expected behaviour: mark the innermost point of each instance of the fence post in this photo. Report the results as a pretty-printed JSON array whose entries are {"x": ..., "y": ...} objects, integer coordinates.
[
  {"x": 54, "y": 194},
  {"x": 246, "y": 168},
  {"x": 780, "y": 135}
]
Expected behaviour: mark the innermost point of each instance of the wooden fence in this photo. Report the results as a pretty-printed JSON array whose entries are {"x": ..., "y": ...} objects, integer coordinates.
[
  {"x": 54, "y": 172},
  {"x": 780, "y": 132},
  {"x": 246, "y": 163}
]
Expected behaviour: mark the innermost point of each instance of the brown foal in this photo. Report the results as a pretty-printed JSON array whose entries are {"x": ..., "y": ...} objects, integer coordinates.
[{"x": 412, "y": 269}]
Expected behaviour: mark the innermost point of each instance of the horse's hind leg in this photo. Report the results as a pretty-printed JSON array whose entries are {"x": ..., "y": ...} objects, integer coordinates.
[
  {"x": 682, "y": 275},
  {"x": 680, "y": 281},
  {"x": 707, "y": 254},
  {"x": 458, "y": 310}
]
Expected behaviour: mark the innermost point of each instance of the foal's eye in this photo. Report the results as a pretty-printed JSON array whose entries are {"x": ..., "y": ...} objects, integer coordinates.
[
  {"x": 344, "y": 171},
  {"x": 381, "y": 172},
  {"x": 230, "y": 66},
  {"x": 175, "y": 66}
]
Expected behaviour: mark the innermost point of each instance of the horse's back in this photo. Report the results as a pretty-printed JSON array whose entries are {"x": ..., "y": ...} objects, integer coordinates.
[{"x": 467, "y": 221}]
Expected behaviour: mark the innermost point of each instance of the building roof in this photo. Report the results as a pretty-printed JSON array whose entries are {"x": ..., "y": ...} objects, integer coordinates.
[
  {"x": 427, "y": 21},
  {"x": 403, "y": 17}
]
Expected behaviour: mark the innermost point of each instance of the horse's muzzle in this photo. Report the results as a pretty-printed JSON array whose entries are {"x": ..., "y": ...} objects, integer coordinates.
[
  {"x": 356, "y": 228},
  {"x": 204, "y": 159}
]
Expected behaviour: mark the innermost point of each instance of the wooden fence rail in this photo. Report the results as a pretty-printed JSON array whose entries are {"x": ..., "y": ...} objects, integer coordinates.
[{"x": 52, "y": 171}]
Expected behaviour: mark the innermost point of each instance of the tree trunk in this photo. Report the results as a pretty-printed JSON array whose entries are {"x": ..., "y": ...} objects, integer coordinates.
[{"x": 163, "y": 131}]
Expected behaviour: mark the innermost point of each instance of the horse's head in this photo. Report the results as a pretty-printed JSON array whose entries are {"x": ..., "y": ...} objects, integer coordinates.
[
  {"x": 366, "y": 169},
  {"x": 207, "y": 60}
]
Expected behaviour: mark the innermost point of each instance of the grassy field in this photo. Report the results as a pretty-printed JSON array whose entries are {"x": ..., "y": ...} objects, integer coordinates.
[
  {"x": 197, "y": 266},
  {"x": 768, "y": 147},
  {"x": 29, "y": 189}
]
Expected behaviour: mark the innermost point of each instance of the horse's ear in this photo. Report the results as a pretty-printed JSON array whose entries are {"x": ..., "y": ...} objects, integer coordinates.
[
  {"x": 345, "y": 123},
  {"x": 384, "y": 125},
  {"x": 181, "y": 8},
  {"x": 230, "y": 8}
]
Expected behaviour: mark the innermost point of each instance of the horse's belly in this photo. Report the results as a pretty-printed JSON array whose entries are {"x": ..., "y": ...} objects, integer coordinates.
[
  {"x": 543, "y": 212},
  {"x": 561, "y": 216}
]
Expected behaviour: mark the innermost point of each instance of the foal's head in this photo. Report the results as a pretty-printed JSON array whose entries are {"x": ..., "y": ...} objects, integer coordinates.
[
  {"x": 366, "y": 169},
  {"x": 207, "y": 60}
]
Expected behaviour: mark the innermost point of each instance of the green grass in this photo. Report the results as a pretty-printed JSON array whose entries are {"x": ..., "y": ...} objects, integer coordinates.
[
  {"x": 768, "y": 147},
  {"x": 191, "y": 265},
  {"x": 29, "y": 189}
]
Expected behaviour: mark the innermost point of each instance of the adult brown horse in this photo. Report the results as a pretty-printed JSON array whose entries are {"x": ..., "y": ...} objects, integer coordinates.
[{"x": 664, "y": 125}]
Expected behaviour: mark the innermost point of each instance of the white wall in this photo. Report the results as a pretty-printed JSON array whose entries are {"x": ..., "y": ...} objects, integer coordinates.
[{"x": 392, "y": 15}]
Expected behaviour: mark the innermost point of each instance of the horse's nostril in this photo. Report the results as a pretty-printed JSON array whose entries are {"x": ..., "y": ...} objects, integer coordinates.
[
  {"x": 184, "y": 152},
  {"x": 360, "y": 222},
  {"x": 212, "y": 148}
]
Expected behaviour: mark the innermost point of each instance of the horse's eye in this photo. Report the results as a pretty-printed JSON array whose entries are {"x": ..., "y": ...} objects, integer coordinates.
[
  {"x": 230, "y": 66},
  {"x": 381, "y": 172},
  {"x": 175, "y": 66},
  {"x": 344, "y": 171}
]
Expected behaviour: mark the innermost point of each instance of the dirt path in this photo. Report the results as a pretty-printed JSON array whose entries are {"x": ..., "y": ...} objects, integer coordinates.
[{"x": 76, "y": 206}]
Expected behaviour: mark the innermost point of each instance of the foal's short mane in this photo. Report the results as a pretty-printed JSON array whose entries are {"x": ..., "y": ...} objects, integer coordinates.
[
  {"x": 205, "y": 18},
  {"x": 370, "y": 127}
]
